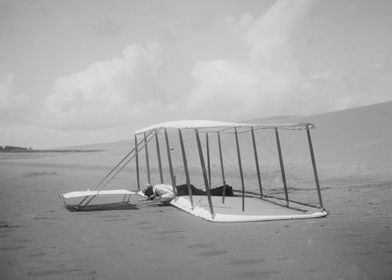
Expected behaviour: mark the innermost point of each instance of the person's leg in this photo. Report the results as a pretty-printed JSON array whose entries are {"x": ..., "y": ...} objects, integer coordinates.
[
  {"x": 218, "y": 191},
  {"x": 183, "y": 190},
  {"x": 197, "y": 191}
]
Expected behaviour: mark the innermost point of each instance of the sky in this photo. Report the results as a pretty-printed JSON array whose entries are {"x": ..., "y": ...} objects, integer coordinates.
[{"x": 90, "y": 71}]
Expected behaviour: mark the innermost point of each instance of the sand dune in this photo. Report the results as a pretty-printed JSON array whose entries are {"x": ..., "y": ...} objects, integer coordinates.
[{"x": 353, "y": 142}]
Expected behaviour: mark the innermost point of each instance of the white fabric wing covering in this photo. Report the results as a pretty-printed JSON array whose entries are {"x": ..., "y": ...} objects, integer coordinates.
[
  {"x": 188, "y": 124},
  {"x": 230, "y": 212},
  {"x": 103, "y": 192},
  {"x": 206, "y": 124}
]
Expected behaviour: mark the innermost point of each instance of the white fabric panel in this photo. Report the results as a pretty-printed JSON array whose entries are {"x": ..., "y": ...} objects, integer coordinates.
[
  {"x": 206, "y": 124},
  {"x": 183, "y": 203},
  {"x": 103, "y": 192}
]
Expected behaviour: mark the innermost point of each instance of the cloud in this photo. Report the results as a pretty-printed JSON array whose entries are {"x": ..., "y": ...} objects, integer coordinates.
[
  {"x": 149, "y": 83},
  {"x": 122, "y": 90},
  {"x": 138, "y": 88},
  {"x": 12, "y": 105},
  {"x": 269, "y": 82}
]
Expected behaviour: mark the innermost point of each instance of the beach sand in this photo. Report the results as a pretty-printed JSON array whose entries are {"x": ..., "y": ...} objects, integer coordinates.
[{"x": 40, "y": 239}]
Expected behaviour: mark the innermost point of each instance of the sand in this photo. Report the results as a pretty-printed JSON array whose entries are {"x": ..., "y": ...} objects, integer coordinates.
[{"x": 40, "y": 239}]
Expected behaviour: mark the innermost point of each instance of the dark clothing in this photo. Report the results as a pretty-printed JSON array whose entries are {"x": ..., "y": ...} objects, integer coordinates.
[
  {"x": 219, "y": 191},
  {"x": 183, "y": 190}
]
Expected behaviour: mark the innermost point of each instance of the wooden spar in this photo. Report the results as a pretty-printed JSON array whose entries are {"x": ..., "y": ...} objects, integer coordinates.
[
  {"x": 208, "y": 159},
  {"x": 147, "y": 159},
  {"x": 188, "y": 181},
  {"x": 115, "y": 170},
  {"x": 159, "y": 157},
  {"x": 88, "y": 201},
  {"x": 137, "y": 164},
  {"x": 222, "y": 168},
  {"x": 203, "y": 167},
  {"x": 281, "y": 165},
  {"x": 314, "y": 167},
  {"x": 256, "y": 161},
  {"x": 240, "y": 168},
  {"x": 173, "y": 179},
  {"x": 83, "y": 200}
]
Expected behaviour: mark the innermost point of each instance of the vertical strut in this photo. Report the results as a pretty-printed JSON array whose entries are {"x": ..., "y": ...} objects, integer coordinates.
[
  {"x": 281, "y": 165},
  {"x": 159, "y": 157},
  {"x": 188, "y": 181},
  {"x": 137, "y": 164},
  {"x": 314, "y": 167},
  {"x": 169, "y": 159},
  {"x": 147, "y": 159},
  {"x": 222, "y": 168},
  {"x": 203, "y": 167},
  {"x": 256, "y": 161},
  {"x": 208, "y": 159},
  {"x": 240, "y": 168}
]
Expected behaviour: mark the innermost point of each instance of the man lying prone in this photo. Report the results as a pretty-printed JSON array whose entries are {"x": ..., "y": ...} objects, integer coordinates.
[{"x": 165, "y": 193}]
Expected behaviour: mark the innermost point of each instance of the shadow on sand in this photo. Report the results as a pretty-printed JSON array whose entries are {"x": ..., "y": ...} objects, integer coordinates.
[{"x": 102, "y": 207}]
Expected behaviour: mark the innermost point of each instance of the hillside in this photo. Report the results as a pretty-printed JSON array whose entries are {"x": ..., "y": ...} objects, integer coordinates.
[
  {"x": 353, "y": 140},
  {"x": 359, "y": 138}
]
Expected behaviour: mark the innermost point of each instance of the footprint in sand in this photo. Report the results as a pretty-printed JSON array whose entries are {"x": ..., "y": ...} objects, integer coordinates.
[
  {"x": 36, "y": 255},
  {"x": 12, "y": 248},
  {"x": 45, "y": 218},
  {"x": 115, "y": 220},
  {"x": 6, "y": 227},
  {"x": 37, "y": 174},
  {"x": 258, "y": 274},
  {"x": 198, "y": 245},
  {"x": 142, "y": 223},
  {"x": 109, "y": 216},
  {"x": 212, "y": 253},
  {"x": 245, "y": 261},
  {"x": 147, "y": 227},
  {"x": 169, "y": 231},
  {"x": 50, "y": 272},
  {"x": 182, "y": 237},
  {"x": 366, "y": 253}
]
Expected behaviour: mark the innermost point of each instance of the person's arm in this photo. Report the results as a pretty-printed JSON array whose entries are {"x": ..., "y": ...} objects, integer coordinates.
[{"x": 151, "y": 197}]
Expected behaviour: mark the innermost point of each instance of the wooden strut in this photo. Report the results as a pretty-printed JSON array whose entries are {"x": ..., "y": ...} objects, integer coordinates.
[
  {"x": 137, "y": 164},
  {"x": 119, "y": 164},
  {"x": 203, "y": 167},
  {"x": 83, "y": 200},
  {"x": 188, "y": 181},
  {"x": 240, "y": 168},
  {"x": 114, "y": 170},
  {"x": 222, "y": 168},
  {"x": 256, "y": 161},
  {"x": 88, "y": 201},
  {"x": 159, "y": 157},
  {"x": 208, "y": 159},
  {"x": 147, "y": 159},
  {"x": 281, "y": 165},
  {"x": 314, "y": 167},
  {"x": 169, "y": 159},
  {"x": 125, "y": 197}
]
